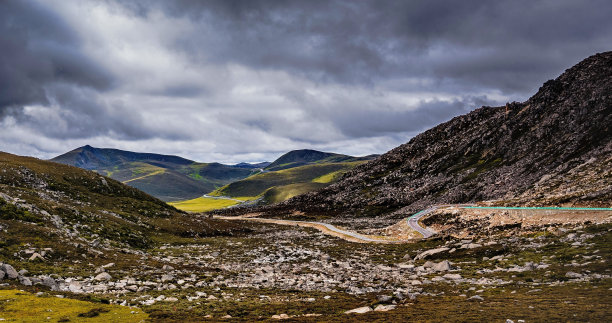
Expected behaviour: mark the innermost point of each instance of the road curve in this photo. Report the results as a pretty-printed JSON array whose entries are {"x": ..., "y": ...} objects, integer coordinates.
[
  {"x": 324, "y": 227},
  {"x": 413, "y": 221}
]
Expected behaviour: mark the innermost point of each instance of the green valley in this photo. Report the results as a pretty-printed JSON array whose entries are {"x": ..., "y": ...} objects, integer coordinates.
[{"x": 280, "y": 185}]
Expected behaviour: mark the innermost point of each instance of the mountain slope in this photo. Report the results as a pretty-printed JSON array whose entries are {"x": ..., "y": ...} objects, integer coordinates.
[
  {"x": 68, "y": 205},
  {"x": 294, "y": 173},
  {"x": 553, "y": 149},
  {"x": 312, "y": 175},
  {"x": 169, "y": 178},
  {"x": 304, "y": 157}
]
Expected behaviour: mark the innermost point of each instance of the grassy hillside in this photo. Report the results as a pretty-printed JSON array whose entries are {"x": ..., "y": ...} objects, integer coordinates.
[
  {"x": 276, "y": 186},
  {"x": 297, "y": 158},
  {"x": 169, "y": 178}
]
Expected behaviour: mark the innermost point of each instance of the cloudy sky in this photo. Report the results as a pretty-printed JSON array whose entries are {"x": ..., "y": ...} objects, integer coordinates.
[{"x": 235, "y": 81}]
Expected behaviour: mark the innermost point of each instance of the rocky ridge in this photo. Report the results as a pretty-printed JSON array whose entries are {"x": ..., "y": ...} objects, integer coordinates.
[{"x": 553, "y": 149}]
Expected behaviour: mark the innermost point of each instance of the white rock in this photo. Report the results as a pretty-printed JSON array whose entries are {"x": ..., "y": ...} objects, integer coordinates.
[
  {"x": 452, "y": 276},
  {"x": 359, "y": 310},
  {"x": 35, "y": 256},
  {"x": 103, "y": 277},
  {"x": 384, "y": 308},
  {"x": 442, "y": 266},
  {"x": 430, "y": 252}
]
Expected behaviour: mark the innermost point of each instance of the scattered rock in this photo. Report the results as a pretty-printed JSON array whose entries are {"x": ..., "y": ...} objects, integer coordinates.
[
  {"x": 430, "y": 252},
  {"x": 36, "y": 256},
  {"x": 572, "y": 274},
  {"x": 10, "y": 271},
  {"x": 442, "y": 266},
  {"x": 452, "y": 276},
  {"x": 359, "y": 310},
  {"x": 476, "y": 298},
  {"x": 384, "y": 308},
  {"x": 103, "y": 277},
  {"x": 25, "y": 281}
]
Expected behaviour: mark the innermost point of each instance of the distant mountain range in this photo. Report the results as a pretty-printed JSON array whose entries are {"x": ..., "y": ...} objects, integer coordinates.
[
  {"x": 173, "y": 178},
  {"x": 169, "y": 178}
]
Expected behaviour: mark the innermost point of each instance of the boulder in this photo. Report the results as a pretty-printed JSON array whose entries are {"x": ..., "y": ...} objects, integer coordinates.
[
  {"x": 442, "y": 266},
  {"x": 10, "y": 271},
  {"x": 49, "y": 282},
  {"x": 36, "y": 256},
  {"x": 452, "y": 276},
  {"x": 430, "y": 252},
  {"x": 25, "y": 281},
  {"x": 384, "y": 308},
  {"x": 103, "y": 277},
  {"x": 359, "y": 310}
]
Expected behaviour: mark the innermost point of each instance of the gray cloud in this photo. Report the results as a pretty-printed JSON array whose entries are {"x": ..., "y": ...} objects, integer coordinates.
[
  {"x": 39, "y": 49},
  {"x": 236, "y": 80},
  {"x": 489, "y": 43}
]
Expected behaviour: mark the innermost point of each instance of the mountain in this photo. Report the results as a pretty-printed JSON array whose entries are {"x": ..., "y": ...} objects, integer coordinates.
[
  {"x": 304, "y": 157},
  {"x": 553, "y": 149},
  {"x": 169, "y": 178},
  {"x": 294, "y": 173},
  {"x": 256, "y": 165}
]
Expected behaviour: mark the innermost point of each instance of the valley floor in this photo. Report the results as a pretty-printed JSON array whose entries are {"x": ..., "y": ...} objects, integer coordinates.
[{"x": 273, "y": 271}]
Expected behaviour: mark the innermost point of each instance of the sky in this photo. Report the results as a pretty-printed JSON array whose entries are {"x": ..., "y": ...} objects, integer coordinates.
[{"x": 233, "y": 81}]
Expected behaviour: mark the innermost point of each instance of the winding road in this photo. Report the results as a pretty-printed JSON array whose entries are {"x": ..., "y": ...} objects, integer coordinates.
[
  {"x": 413, "y": 222},
  {"x": 324, "y": 227}
]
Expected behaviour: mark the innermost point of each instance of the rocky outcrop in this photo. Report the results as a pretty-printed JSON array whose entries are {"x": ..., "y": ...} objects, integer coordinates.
[{"x": 553, "y": 149}]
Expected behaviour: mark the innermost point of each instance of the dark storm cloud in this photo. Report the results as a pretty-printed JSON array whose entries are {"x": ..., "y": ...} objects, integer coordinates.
[
  {"x": 215, "y": 78},
  {"x": 381, "y": 123},
  {"x": 488, "y": 43},
  {"x": 38, "y": 49}
]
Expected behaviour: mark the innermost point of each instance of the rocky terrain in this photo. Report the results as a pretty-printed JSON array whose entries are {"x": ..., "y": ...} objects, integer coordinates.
[
  {"x": 553, "y": 149},
  {"x": 310, "y": 276}
]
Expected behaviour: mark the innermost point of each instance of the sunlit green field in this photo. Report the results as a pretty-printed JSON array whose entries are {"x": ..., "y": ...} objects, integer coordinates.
[
  {"x": 203, "y": 204},
  {"x": 20, "y": 306}
]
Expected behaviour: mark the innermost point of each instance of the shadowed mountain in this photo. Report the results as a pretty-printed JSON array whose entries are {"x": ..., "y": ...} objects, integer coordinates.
[{"x": 169, "y": 178}]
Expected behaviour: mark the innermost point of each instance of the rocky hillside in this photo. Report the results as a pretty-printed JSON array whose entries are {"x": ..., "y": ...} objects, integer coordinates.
[
  {"x": 68, "y": 206},
  {"x": 166, "y": 177},
  {"x": 553, "y": 149}
]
